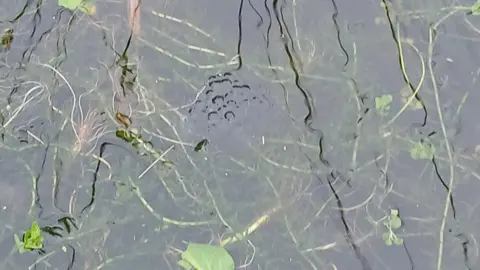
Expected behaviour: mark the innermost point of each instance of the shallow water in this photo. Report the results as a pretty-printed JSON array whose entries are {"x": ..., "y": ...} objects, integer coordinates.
[{"x": 302, "y": 156}]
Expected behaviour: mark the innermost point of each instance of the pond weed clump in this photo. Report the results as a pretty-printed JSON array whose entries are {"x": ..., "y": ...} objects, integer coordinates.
[{"x": 88, "y": 130}]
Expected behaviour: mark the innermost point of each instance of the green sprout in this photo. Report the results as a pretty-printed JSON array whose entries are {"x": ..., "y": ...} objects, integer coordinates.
[
  {"x": 32, "y": 239},
  {"x": 392, "y": 223}
]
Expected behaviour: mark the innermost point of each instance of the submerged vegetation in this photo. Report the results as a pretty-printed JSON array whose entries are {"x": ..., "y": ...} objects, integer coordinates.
[{"x": 184, "y": 144}]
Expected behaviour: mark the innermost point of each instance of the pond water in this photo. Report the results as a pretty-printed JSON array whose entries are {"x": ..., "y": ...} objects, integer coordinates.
[{"x": 292, "y": 135}]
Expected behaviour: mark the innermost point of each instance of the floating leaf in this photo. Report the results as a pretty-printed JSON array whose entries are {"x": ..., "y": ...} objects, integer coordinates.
[
  {"x": 382, "y": 104},
  {"x": 206, "y": 257},
  {"x": 422, "y": 151},
  {"x": 85, "y": 6}
]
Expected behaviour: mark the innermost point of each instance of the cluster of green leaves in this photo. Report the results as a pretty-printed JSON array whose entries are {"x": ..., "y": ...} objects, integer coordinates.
[
  {"x": 203, "y": 257},
  {"x": 32, "y": 239},
  {"x": 392, "y": 222}
]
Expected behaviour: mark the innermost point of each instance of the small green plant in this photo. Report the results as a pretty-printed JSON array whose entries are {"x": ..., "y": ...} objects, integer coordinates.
[
  {"x": 203, "y": 257},
  {"x": 392, "y": 222},
  {"x": 422, "y": 150},
  {"x": 382, "y": 104},
  {"x": 413, "y": 104},
  {"x": 32, "y": 239}
]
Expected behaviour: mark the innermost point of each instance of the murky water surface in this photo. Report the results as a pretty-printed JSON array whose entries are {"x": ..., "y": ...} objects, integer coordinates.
[{"x": 295, "y": 135}]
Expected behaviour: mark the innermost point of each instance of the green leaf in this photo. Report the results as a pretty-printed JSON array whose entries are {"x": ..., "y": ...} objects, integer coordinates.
[
  {"x": 385, "y": 236},
  {"x": 382, "y": 104},
  {"x": 206, "y": 257},
  {"x": 19, "y": 244},
  {"x": 398, "y": 241},
  {"x": 395, "y": 222},
  {"x": 201, "y": 145},
  {"x": 476, "y": 8},
  {"x": 422, "y": 151},
  {"x": 388, "y": 242},
  {"x": 85, "y": 6},
  {"x": 33, "y": 239},
  {"x": 124, "y": 135}
]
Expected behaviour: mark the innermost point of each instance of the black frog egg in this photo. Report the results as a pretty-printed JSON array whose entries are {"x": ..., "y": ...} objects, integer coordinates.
[
  {"x": 213, "y": 116},
  {"x": 218, "y": 99},
  {"x": 229, "y": 116}
]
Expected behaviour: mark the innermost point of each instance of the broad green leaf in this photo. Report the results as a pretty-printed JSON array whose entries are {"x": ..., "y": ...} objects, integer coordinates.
[
  {"x": 395, "y": 222},
  {"x": 206, "y": 257},
  {"x": 422, "y": 151},
  {"x": 85, "y": 6}
]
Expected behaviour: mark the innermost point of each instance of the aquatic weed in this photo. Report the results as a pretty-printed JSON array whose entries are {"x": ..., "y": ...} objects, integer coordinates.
[{"x": 88, "y": 129}]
